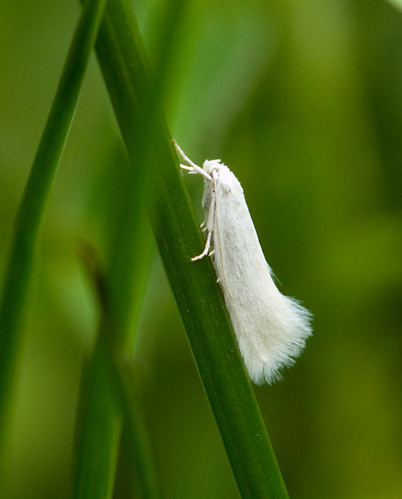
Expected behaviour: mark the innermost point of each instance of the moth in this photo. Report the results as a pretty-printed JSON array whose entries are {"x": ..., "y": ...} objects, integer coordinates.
[{"x": 271, "y": 329}]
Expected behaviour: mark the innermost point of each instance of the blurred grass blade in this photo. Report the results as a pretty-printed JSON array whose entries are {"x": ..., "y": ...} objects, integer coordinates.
[
  {"x": 129, "y": 261},
  {"x": 135, "y": 438},
  {"x": 120, "y": 291},
  {"x": 396, "y": 3},
  {"x": 98, "y": 429},
  {"x": 108, "y": 390},
  {"x": 36, "y": 194},
  {"x": 125, "y": 69}
]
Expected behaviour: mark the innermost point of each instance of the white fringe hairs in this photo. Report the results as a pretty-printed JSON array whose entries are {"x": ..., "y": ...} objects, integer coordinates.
[{"x": 271, "y": 328}]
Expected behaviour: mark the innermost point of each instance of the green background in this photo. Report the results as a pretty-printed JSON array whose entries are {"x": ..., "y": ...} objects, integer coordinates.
[{"x": 303, "y": 100}]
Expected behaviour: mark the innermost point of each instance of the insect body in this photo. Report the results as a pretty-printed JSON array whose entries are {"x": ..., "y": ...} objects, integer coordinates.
[{"x": 271, "y": 328}]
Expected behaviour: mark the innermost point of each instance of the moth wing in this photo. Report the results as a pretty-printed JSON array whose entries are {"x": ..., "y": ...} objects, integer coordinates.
[{"x": 271, "y": 328}]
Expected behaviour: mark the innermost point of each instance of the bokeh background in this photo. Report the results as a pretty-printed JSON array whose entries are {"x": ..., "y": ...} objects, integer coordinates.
[{"x": 303, "y": 100}]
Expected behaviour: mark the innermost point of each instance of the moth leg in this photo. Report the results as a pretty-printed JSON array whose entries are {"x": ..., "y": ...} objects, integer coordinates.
[
  {"x": 185, "y": 167},
  {"x": 206, "y": 249},
  {"x": 195, "y": 169}
]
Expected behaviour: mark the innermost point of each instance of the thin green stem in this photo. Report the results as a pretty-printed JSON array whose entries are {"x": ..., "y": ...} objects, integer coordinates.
[{"x": 34, "y": 200}]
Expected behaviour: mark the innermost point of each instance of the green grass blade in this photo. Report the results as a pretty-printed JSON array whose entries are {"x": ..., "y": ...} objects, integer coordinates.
[
  {"x": 36, "y": 194},
  {"x": 120, "y": 291},
  {"x": 396, "y": 3},
  {"x": 108, "y": 390},
  {"x": 129, "y": 264},
  {"x": 215, "y": 350},
  {"x": 98, "y": 429},
  {"x": 138, "y": 451}
]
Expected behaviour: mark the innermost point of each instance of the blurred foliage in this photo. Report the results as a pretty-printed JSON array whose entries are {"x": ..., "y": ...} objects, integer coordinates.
[{"x": 303, "y": 100}]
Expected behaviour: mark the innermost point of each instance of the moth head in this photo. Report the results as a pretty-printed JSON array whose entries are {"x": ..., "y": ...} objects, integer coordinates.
[{"x": 211, "y": 165}]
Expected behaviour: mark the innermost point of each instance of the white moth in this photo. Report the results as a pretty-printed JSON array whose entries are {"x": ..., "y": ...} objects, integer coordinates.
[{"x": 271, "y": 328}]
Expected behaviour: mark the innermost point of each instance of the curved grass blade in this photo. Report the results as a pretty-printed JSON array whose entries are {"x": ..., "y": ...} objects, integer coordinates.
[
  {"x": 120, "y": 291},
  {"x": 34, "y": 200},
  {"x": 125, "y": 70}
]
